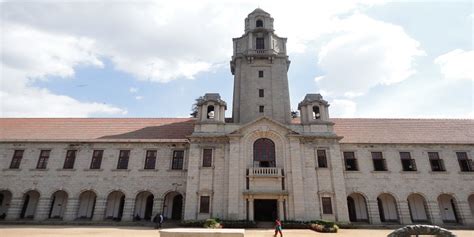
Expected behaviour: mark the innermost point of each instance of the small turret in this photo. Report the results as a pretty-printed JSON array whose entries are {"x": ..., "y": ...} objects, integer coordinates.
[
  {"x": 211, "y": 108},
  {"x": 313, "y": 109}
]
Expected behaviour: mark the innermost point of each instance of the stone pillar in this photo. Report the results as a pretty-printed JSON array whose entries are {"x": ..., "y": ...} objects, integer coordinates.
[
  {"x": 192, "y": 183},
  {"x": 297, "y": 179},
  {"x": 99, "y": 209},
  {"x": 72, "y": 207},
  {"x": 42, "y": 209},
  {"x": 14, "y": 210},
  {"x": 373, "y": 211},
  {"x": 404, "y": 213},
  {"x": 464, "y": 211},
  {"x": 157, "y": 206},
  {"x": 434, "y": 213},
  {"x": 128, "y": 209},
  {"x": 251, "y": 209},
  {"x": 281, "y": 213},
  {"x": 339, "y": 185},
  {"x": 233, "y": 194}
]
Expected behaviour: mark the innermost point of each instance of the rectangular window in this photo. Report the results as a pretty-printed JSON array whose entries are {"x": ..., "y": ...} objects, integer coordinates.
[
  {"x": 260, "y": 43},
  {"x": 327, "y": 205},
  {"x": 150, "y": 159},
  {"x": 70, "y": 159},
  {"x": 206, "y": 157},
  {"x": 436, "y": 163},
  {"x": 122, "y": 163},
  {"x": 408, "y": 163},
  {"x": 16, "y": 159},
  {"x": 260, "y": 74},
  {"x": 322, "y": 160},
  {"x": 261, "y": 108},
  {"x": 43, "y": 159},
  {"x": 96, "y": 159},
  {"x": 465, "y": 164},
  {"x": 350, "y": 161},
  {"x": 260, "y": 92},
  {"x": 204, "y": 204},
  {"x": 379, "y": 161},
  {"x": 178, "y": 160}
]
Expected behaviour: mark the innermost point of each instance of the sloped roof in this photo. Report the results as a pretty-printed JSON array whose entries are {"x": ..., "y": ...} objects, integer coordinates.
[{"x": 354, "y": 130}]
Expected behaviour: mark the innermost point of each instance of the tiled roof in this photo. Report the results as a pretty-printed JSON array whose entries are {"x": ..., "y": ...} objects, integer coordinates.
[
  {"x": 428, "y": 131},
  {"x": 95, "y": 128},
  {"x": 434, "y": 131}
]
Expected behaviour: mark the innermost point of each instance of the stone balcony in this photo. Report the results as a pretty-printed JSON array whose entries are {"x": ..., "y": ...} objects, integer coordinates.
[{"x": 265, "y": 172}]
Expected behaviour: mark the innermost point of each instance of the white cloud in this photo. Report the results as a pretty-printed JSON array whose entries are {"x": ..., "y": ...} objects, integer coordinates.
[
  {"x": 133, "y": 90},
  {"x": 138, "y": 97},
  {"x": 343, "y": 108},
  {"x": 29, "y": 55},
  {"x": 457, "y": 64},
  {"x": 364, "y": 54}
]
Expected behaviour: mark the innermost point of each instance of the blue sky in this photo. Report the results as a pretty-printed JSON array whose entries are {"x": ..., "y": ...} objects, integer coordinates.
[{"x": 152, "y": 59}]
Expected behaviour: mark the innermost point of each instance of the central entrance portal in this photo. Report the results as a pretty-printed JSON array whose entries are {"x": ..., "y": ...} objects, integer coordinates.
[{"x": 265, "y": 209}]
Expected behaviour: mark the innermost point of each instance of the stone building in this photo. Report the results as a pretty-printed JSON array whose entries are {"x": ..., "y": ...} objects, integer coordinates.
[{"x": 257, "y": 165}]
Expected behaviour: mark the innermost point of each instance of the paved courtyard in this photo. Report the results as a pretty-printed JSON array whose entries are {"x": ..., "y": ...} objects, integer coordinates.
[{"x": 87, "y": 231}]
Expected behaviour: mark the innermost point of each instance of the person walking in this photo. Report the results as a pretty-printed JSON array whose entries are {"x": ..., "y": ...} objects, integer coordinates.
[
  {"x": 278, "y": 227},
  {"x": 158, "y": 219}
]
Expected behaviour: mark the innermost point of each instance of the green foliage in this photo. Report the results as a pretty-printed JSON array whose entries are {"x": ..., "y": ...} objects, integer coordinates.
[{"x": 212, "y": 223}]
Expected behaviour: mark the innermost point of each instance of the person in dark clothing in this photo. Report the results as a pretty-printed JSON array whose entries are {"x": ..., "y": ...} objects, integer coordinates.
[{"x": 158, "y": 219}]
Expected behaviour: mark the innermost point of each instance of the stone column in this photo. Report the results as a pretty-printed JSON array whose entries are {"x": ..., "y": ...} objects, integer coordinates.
[
  {"x": 99, "y": 209},
  {"x": 404, "y": 213},
  {"x": 128, "y": 209},
  {"x": 464, "y": 211},
  {"x": 72, "y": 207},
  {"x": 339, "y": 185},
  {"x": 14, "y": 209},
  {"x": 157, "y": 206},
  {"x": 233, "y": 194},
  {"x": 251, "y": 209},
  {"x": 434, "y": 213},
  {"x": 373, "y": 211},
  {"x": 297, "y": 178},
  {"x": 192, "y": 183},
  {"x": 281, "y": 209},
  {"x": 42, "y": 209}
]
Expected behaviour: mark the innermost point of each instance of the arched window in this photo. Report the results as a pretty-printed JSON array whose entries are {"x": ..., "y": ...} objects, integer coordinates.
[
  {"x": 264, "y": 153},
  {"x": 210, "y": 112},
  {"x": 316, "y": 112},
  {"x": 259, "y": 23}
]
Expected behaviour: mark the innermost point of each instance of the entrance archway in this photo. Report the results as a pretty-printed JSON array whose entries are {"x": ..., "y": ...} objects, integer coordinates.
[
  {"x": 58, "y": 205},
  {"x": 265, "y": 209},
  {"x": 115, "y": 204},
  {"x": 357, "y": 207},
  {"x": 448, "y": 208},
  {"x": 418, "y": 210},
  {"x": 5, "y": 199},
  {"x": 173, "y": 206},
  {"x": 143, "y": 206},
  {"x": 30, "y": 202},
  {"x": 470, "y": 200},
  {"x": 86, "y": 205},
  {"x": 387, "y": 208}
]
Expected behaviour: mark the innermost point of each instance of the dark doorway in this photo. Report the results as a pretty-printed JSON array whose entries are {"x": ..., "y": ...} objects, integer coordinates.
[
  {"x": 352, "y": 210},
  {"x": 177, "y": 207},
  {"x": 25, "y": 206},
  {"x": 120, "y": 211},
  {"x": 381, "y": 211},
  {"x": 265, "y": 210},
  {"x": 149, "y": 207}
]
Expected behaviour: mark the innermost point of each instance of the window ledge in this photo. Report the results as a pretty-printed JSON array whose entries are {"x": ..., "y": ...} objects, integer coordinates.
[
  {"x": 120, "y": 170},
  {"x": 176, "y": 170},
  {"x": 380, "y": 172},
  {"x": 148, "y": 170},
  {"x": 438, "y": 172},
  {"x": 353, "y": 171},
  {"x": 324, "y": 168},
  {"x": 206, "y": 168},
  {"x": 39, "y": 169},
  {"x": 66, "y": 170},
  {"x": 93, "y": 169},
  {"x": 409, "y": 172},
  {"x": 466, "y": 172},
  {"x": 9, "y": 169}
]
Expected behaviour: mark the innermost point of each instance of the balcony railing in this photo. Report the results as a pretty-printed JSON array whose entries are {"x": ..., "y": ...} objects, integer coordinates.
[
  {"x": 265, "y": 172},
  {"x": 261, "y": 52}
]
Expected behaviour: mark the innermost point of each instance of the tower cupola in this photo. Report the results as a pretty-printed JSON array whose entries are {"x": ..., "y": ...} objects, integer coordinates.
[
  {"x": 211, "y": 108},
  {"x": 313, "y": 109}
]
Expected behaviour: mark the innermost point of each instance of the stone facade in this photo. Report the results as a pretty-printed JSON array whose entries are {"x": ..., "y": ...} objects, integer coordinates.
[{"x": 259, "y": 165}]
